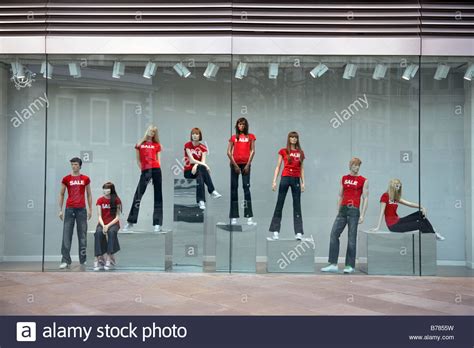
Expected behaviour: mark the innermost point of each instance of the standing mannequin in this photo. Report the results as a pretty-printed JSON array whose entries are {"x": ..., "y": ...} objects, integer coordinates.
[
  {"x": 196, "y": 168},
  {"x": 241, "y": 150},
  {"x": 148, "y": 161},
  {"x": 413, "y": 222},
  {"x": 353, "y": 194},
  {"x": 293, "y": 176},
  {"x": 77, "y": 185},
  {"x": 106, "y": 243}
]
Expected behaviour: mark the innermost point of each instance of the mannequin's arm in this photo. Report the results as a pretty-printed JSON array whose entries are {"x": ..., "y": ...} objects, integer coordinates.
[
  {"x": 379, "y": 223},
  {"x": 339, "y": 198},
  {"x": 192, "y": 160},
  {"x": 61, "y": 200},
  {"x": 230, "y": 151},
  {"x": 137, "y": 155},
  {"x": 302, "y": 177},
  {"x": 99, "y": 214},
  {"x": 277, "y": 172},
  {"x": 365, "y": 200},
  {"x": 252, "y": 152},
  {"x": 412, "y": 205},
  {"x": 89, "y": 201}
]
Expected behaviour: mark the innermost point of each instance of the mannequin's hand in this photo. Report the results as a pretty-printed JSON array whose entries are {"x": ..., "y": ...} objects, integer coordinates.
[
  {"x": 375, "y": 229},
  {"x": 237, "y": 169},
  {"x": 424, "y": 212},
  {"x": 361, "y": 220},
  {"x": 89, "y": 214},
  {"x": 194, "y": 169},
  {"x": 302, "y": 187},
  {"x": 207, "y": 167},
  {"x": 246, "y": 169},
  {"x": 61, "y": 216},
  {"x": 106, "y": 229},
  {"x": 274, "y": 186}
]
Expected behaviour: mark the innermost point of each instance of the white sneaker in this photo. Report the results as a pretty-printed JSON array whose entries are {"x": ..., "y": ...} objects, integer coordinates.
[
  {"x": 157, "y": 228},
  {"x": 233, "y": 221},
  {"x": 107, "y": 265},
  {"x": 112, "y": 260},
  {"x": 299, "y": 236},
  {"x": 349, "y": 269},
  {"x": 215, "y": 194},
  {"x": 128, "y": 227},
  {"x": 331, "y": 268},
  {"x": 202, "y": 205},
  {"x": 250, "y": 221},
  {"x": 276, "y": 235},
  {"x": 439, "y": 237},
  {"x": 64, "y": 265},
  {"x": 96, "y": 266}
]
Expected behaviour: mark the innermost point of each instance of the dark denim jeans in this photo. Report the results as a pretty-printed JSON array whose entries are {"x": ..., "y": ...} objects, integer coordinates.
[
  {"x": 202, "y": 177},
  {"x": 109, "y": 244},
  {"x": 72, "y": 216},
  {"x": 145, "y": 177},
  {"x": 348, "y": 215},
  {"x": 413, "y": 222},
  {"x": 234, "y": 195},
  {"x": 285, "y": 183}
]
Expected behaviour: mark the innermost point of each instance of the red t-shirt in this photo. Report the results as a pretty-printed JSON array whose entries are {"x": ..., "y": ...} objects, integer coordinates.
[
  {"x": 352, "y": 190},
  {"x": 293, "y": 168},
  {"x": 242, "y": 145},
  {"x": 196, "y": 152},
  {"x": 76, "y": 188},
  {"x": 148, "y": 151},
  {"x": 391, "y": 216},
  {"x": 104, "y": 204}
]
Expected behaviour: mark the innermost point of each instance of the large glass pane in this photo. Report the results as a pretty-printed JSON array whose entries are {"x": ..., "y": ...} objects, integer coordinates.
[
  {"x": 101, "y": 106},
  {"x": 23, "y": 106},
  {"x": 447, "y": 159}
]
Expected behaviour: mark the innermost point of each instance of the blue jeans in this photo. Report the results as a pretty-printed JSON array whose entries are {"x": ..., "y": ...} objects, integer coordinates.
[
  {"x": 234, "y": 195},
  {"x": 71, "y": 216},
  {"x": 109, "y": 244},
  {"x": 285, "y": 183},
  {"x": 202, "y": 177},
  {"x": 348, "y": 215}
]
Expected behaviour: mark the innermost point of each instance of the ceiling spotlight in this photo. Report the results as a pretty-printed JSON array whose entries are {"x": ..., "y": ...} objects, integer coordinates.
[
  {"x": 242, "y": 70},
  {"x": 272, "y": 71},
  {"x": 74, "y": 70},
  {"x": 182, "y": 70},
  {"x": 469, "y": 72},
  {"x": 18, "y": 70},
  {"x": 211, "y": 70},
  {"x": 379, "y": 71},
  {"x": 441, "y": 71},
  {"x": 319, "y": 70},
  {"x": 150, "y": 70},
  {"x": 46, "y": 70},
  {"x": 118, "y": 70},
  {"x": 349, "y": 71},
  {"x": 410, "y": 72}
]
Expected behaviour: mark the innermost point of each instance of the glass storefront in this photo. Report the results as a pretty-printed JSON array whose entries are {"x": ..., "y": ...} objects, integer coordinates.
[{"x": 408, "y": 118}]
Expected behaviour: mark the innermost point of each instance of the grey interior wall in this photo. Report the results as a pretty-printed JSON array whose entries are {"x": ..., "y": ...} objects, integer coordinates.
[
  {"x": 25, "y": 172},
  {"x": 469, "y": 170},
  {"x": 3, "y": 155},
  {"x": 443, "y": 163}
]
